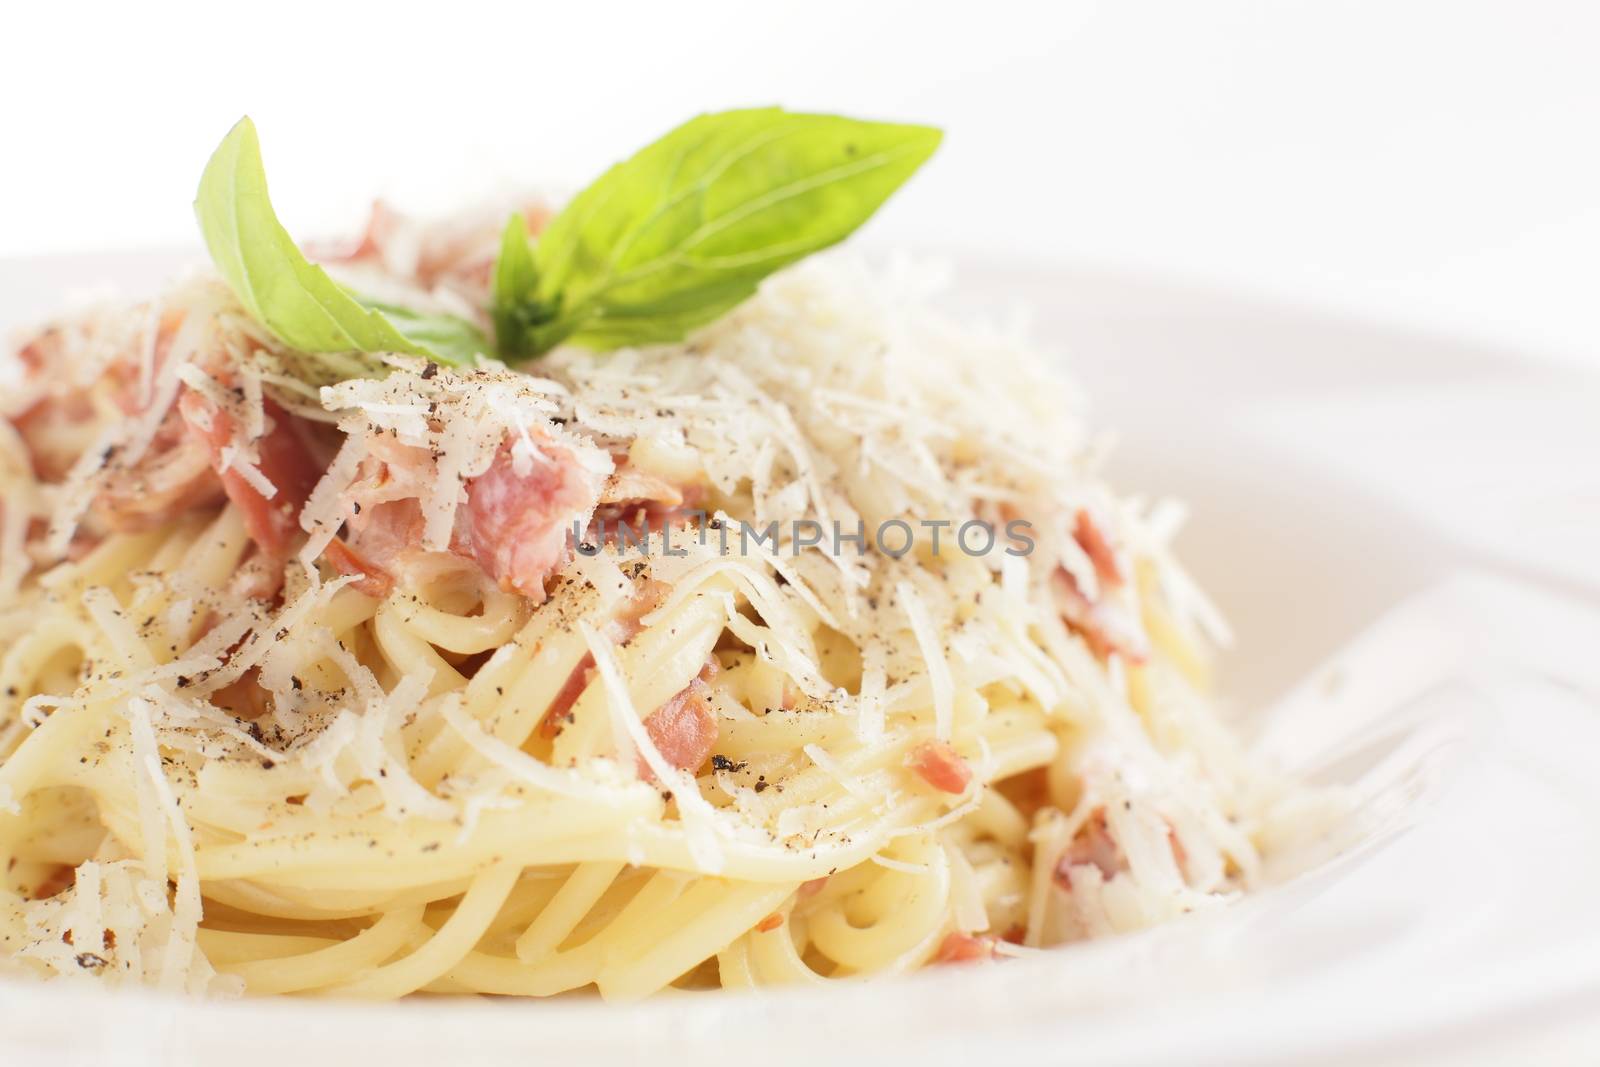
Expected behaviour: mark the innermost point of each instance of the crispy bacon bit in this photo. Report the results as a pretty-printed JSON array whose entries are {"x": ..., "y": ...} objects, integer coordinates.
[
  {"x": 1097, "y": 548},
  {"x": 936, "y": 763},
  {"x": 518, "y": 523},
  {"x": 283, "y": 459},
  {"x": 1092, "y": 847},
  {"x": 771, "y": 922},
  {"x": 964, "y": 948}
]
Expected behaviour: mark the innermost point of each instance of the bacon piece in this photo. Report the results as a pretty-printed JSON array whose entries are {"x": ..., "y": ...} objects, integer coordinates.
[
  {"x": 383, "y": 530},
  {"x": 1092, "y": 846},
  {"x": 59, "y": 411},
  {"x": 964, "y": 948},
  {"x": 515, "y": 524},
  {"x": 1103, "y": 624},
  {"x": 622, "y": 625},
  {"x": 629, "y": 618},
  {"x": 518, "y": 523},
  {"x": 936, "y": 763},
  {"x": 1097, "y": 548},
  {"x": 560, "y": 711},
  {"x": 173, "y": 476},
  {"x": 47, "y": 426},
  {"x": 684, "y": 729},
  {"x": 635, "y": 502},
  {"x": 283, "y": 460},
  {"x": 371, "y": 579},
  {"x": 459, "y": 253},
  {"x": 630, "y": 485}
]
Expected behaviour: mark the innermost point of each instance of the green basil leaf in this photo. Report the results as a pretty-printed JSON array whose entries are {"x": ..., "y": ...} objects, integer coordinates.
[
  {"x": 442, "y": 338},
  {"x": 295, "y": 299},
  {"x": 689, "y": 227},
  {"x": 516, "y": 311}
]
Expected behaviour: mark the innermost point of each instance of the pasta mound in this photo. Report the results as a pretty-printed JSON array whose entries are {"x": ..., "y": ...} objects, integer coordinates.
[{"x": 473, "y": 681}]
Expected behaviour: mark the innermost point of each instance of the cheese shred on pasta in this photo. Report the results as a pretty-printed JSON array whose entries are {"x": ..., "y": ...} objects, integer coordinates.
[{"x": 385, "y": 687}]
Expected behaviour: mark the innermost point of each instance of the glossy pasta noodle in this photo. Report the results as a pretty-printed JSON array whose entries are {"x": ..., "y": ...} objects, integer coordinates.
[{"x": 440, "y": 733}]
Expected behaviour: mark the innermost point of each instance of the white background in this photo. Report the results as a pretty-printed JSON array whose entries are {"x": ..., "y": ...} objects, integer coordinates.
[{"x": 1430, "y": 163}]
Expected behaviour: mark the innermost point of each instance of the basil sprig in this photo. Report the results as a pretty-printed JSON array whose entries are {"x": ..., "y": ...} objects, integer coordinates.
[
  {"x": 687, "y": 228},
  {"x": 295, "y": 299},
  {"x": 660, "y": 244}
]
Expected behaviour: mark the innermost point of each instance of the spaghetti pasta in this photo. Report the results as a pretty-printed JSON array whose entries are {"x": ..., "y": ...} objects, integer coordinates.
[{"x": 455, "y": 734}]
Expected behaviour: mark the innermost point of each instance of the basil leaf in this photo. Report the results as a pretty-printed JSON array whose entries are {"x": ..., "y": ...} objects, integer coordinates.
[
  {"x": 295, "y": 299},
  {"x": 442, "y": 338},
  {"x": 516, "y": 311},
  {"x": 688, "y": 227}
]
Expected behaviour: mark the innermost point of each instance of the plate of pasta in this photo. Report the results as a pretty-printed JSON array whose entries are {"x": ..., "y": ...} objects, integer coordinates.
[{"x": 635, "y": 626}]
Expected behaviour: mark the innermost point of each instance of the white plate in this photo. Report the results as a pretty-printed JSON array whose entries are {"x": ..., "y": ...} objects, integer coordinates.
[{"x": 1401, "y": 529}]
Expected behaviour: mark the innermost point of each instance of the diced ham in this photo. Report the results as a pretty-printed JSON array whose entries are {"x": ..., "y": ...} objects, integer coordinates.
[
  {"x": 282, "y": 458},
  {"x": 519, "y": 523},
  {"x": 936, "y": 763},
  {"x": 964, "y": 948}
]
